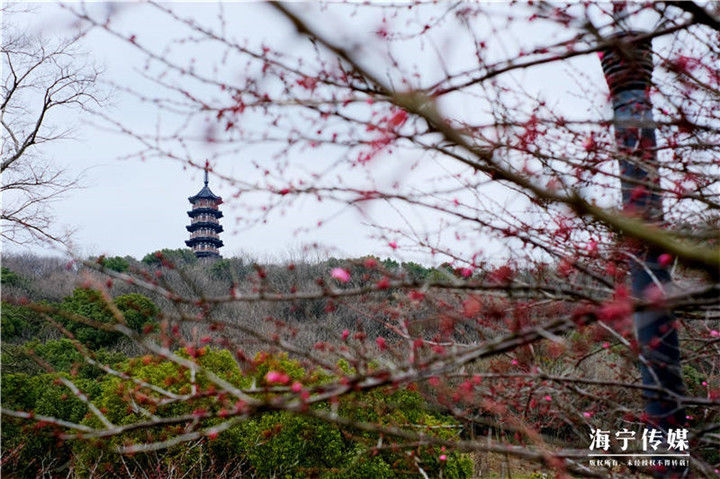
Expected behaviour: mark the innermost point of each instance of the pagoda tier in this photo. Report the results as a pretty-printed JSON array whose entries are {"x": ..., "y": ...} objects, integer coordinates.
[
  {"x": 204, "y": 227},
  {"x": 212, "y": 241},
  {"x": 207, "y": 254},
  {"x": 202, "y": 210}
]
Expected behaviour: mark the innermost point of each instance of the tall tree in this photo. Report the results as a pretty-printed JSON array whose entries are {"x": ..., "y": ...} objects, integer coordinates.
[{"x": 43, "y": 82}]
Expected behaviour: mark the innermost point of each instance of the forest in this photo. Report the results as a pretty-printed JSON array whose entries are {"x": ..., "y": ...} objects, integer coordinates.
[
  {"x": 53, "y": 314},
  {"x": 40, "y": 345}
]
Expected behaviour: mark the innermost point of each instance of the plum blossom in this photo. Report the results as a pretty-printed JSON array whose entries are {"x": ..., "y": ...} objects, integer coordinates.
[
  {"x": 340, "y": 274},
  {"x": 665, "y": 260},
  {"x": 276, "y": 377}
]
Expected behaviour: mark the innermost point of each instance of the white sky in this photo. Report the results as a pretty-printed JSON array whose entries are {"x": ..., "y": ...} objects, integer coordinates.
[{"x": 133, "y": 207}]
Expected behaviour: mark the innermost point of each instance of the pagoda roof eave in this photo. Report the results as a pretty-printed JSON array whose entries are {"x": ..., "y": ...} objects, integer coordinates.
[
  {"x": 205, "y": 239},
  {"x": 204, "y": 194},
  {"x": 210, "y": 211}
]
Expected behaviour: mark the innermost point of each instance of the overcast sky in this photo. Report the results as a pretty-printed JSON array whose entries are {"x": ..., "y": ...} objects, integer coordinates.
[{"x": 132, "y": 207}]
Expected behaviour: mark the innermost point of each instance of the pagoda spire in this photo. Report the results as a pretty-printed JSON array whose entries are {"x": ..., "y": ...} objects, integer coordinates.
[{"x": 207, "y": 167}]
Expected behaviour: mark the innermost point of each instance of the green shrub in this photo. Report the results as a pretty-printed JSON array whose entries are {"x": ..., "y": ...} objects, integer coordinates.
[
  {"x": 19, "y": 322},
  {"x": 284, "y": 445},
  {"x": 62, "y": 355},
  {"x": 11, "y": 278},
  {"x": 416, "y": 271},
  {"x": 115, "y": 263},
  {"x": 177, "y": 257},
  {"x": 137, "y": 310},
  {"x": 275, "y": 443},
  {"x": 44, "y": 396},
  {"x": 694, "y": 380}
]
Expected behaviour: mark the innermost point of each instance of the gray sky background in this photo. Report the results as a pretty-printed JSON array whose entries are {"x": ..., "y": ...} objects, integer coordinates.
[{"x": 132, "y": 207}]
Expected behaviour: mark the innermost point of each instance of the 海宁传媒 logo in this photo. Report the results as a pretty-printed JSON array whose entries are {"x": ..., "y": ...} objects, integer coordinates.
[{"x": 651, "y": 447}]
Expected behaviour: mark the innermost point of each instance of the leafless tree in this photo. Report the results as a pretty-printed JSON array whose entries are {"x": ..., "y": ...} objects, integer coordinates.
[{"x": 43, "y": 82}]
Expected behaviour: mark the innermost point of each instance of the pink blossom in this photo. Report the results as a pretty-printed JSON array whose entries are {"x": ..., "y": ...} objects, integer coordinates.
[
  {"x": 616, "y": 310},
  {"x": 548, "y": 398},
  {"x": 416, "y": 295},
  {"x": 296, "y": 386},
  {"x": 393, "y": 244},
  {"x": 345, "y": 335},
  {"x": 714, "y": 333},
  {"x": 587, "y": 414},
  {"x": 398, "y": 118},
  {"x": 277, "y": 377},
  {"x": 665, "y": 260},
  {"x": 592, "y": 247},
  {"x": 637, "y": 193},
  {"x": 443, "y": 457},
  {"x": 589, "y": 144},
  {"x": 466, "y": 272},
  {"x": 308, "y": 83},
  {"x": 381, "y": 343},
  {"x": 340, "y": 275},
  {"x": 655, "y": 295}
]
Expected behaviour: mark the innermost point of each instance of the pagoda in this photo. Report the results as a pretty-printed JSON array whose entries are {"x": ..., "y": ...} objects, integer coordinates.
[{"x": 204, "y": 224}]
